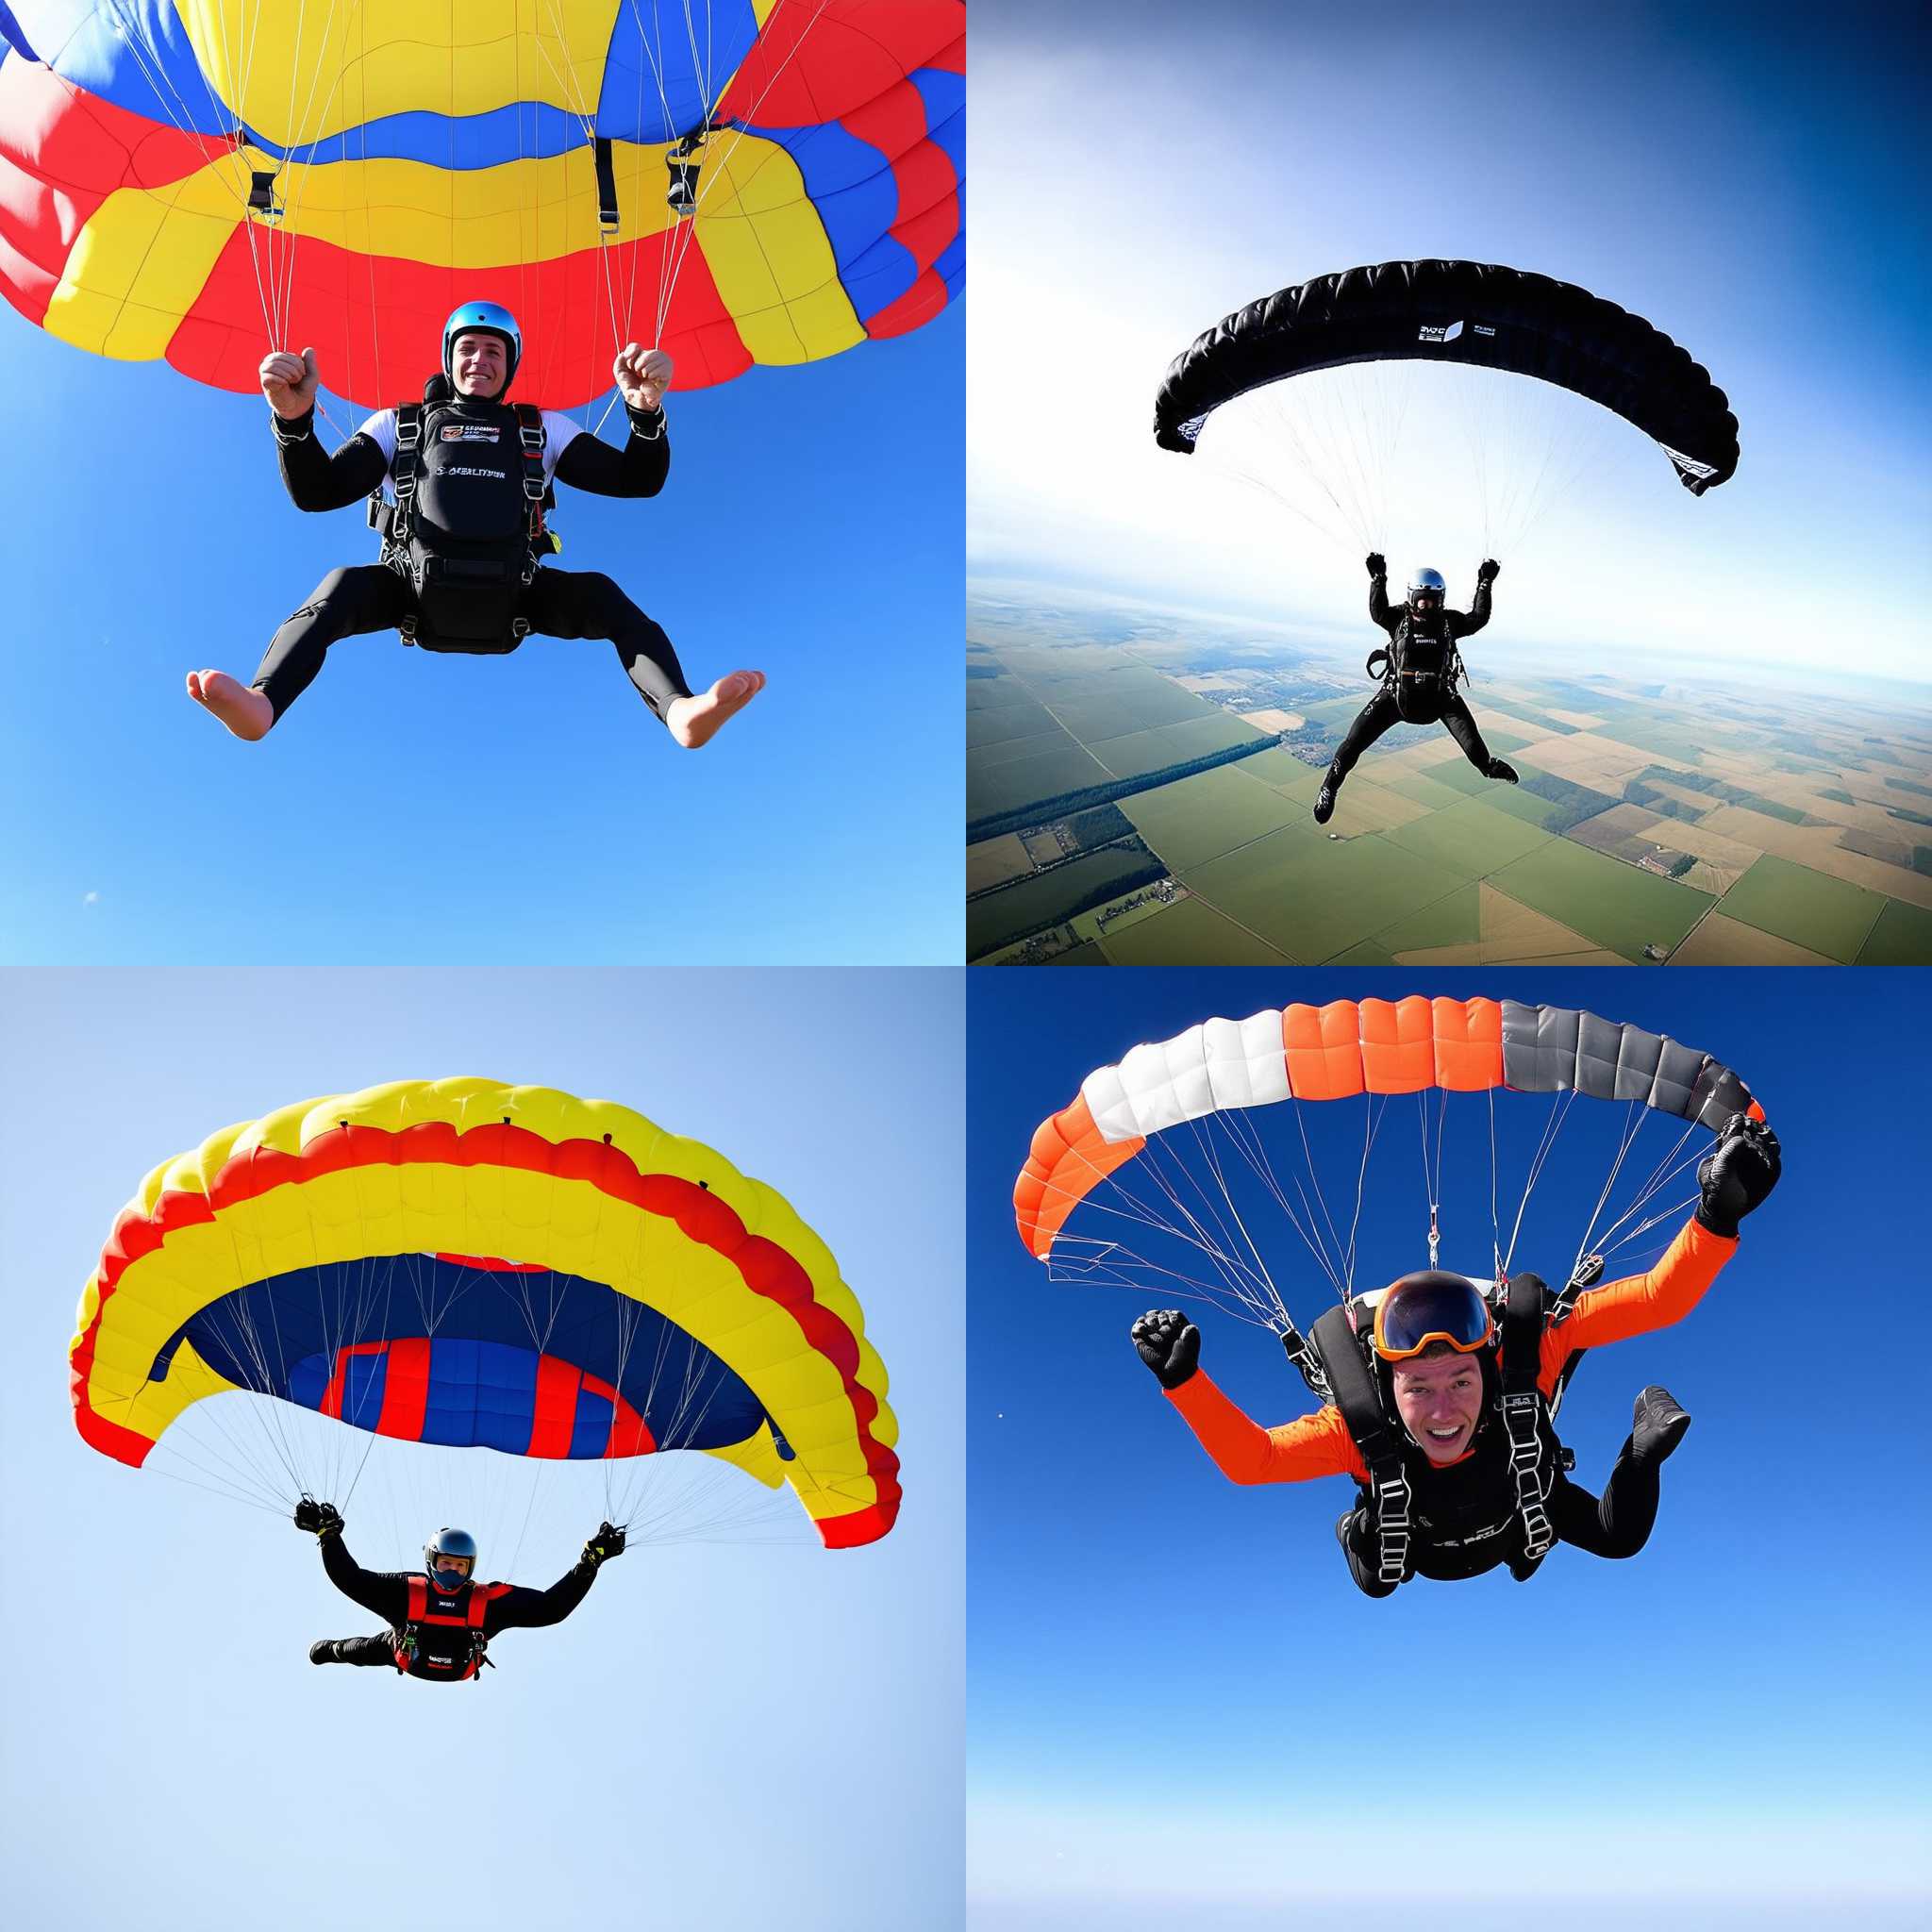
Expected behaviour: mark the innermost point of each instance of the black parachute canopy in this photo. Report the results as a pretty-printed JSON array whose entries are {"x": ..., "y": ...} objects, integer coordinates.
[{"x": 1460, "y": 311}]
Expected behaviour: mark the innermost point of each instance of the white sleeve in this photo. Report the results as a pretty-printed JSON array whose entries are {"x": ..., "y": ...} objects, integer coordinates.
[
  {"x": 560, "y": 429},
  {"x": 381, "y": 430}
]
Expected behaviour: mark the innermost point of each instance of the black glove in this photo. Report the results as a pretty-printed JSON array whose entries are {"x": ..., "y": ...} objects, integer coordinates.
[
  {"x": 1170, "y": 1344},
  {"x": 1487, "y": 570},
  {"x": 607, "y": 1542},
  {"x": 1738, "y": 1175},
  {"x": 322, "y": 1519},
  {"x": 1378, "y": 565}
]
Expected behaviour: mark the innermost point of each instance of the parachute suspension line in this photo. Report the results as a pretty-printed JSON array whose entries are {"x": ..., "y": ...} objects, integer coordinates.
[
  {"x": 1256, "y": 1268},
  {"x": 1432, "y": 1169},
  {"x": 1340, "y": 1271},
  {"x": 1372, "y": 1120},
  {"x": 1497, "y": 1265},
  {"x": 1627, "y": 1228},
  {"x": 1553, "y": 1126}
]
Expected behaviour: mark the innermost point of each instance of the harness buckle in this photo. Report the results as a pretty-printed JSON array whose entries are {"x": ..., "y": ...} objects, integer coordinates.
[{"x": 1391, "y": 1524}]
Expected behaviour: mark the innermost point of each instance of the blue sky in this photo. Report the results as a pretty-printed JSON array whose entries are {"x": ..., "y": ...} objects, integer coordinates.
[
  {"x": 1738, "y": 174},
  {"x": 1176, "y": 1692},
  {"x": 520, "y": 810},
  {"x": 736, "y": 1735}
]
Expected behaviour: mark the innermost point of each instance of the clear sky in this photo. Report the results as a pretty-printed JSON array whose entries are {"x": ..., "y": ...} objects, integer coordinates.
[
  {"x": 1741, "y": 175},
  {"x": 739, "y": 1736},
  {"x": 525, "y": 809},
  {"x": 1183, "y": 1712}
]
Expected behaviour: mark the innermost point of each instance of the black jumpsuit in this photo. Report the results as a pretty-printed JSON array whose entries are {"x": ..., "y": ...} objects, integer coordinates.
[
  {"x": 1382, "y": 711},
  {"x": 1619, "y": 1525},
  {"x": 386, "y": 1594},
  {"x": 558, "y": 604}
]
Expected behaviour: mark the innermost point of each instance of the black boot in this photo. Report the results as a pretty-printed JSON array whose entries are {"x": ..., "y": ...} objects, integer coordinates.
[
  {"x": 1656, "y": 1425},
  {"x": 1501, "y": 769},
  {"x": 1324, "y": 799},
  {"x": 324, "y": 1651}
]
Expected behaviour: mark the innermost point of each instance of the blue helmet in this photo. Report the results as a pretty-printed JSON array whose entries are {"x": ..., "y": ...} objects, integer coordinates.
[
  {"x": 485, "y": 319},
  {"x": 1424, "y": 579},
  {"x": 449, "y": 1542}
]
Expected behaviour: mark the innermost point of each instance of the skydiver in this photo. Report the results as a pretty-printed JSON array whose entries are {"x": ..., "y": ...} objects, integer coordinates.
[
  {"x": 441, "y": 1621},
  {"x": 1421, "y": 665},
  {"x": 459, "y": 571},
  {"x": 1433, "y": 1356}
]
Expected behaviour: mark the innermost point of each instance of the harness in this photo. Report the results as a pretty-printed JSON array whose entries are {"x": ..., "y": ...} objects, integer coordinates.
[
  {"x": 1536, "y": 1456},
  {"x": 466, "y": 597},
  {"x": 476, "y": 1606},
  {"x": 1419, "y": 694}
]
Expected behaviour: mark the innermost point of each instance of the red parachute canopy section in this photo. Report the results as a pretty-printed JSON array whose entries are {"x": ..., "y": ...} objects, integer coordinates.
[{"x": 739, "y": 184}]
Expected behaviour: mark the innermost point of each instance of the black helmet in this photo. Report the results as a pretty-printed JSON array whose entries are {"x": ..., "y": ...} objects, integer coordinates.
[{"x": 449, "y": 1542}]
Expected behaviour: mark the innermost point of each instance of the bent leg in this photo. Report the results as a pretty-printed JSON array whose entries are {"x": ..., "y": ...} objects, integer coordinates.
[
  {"x": 1619, "y": 1523},
  {"x": 1372, "y": 720},
  {"x": 1375, "y": 718},
  {"x": 1459, "y": 722},
  {"x": 366, "y": 1652},
  {"x": 347, "y": 603},
  {"x": 587, "y": 604}
]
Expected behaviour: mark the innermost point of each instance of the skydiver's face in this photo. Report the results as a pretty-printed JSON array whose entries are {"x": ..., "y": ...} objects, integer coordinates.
[
  {"x": 461, "y": 1565},
  {"x": 1439, "y": 1399},
  {"x": 478, "y": 365},
  {"x": 1426, "y": 603}
]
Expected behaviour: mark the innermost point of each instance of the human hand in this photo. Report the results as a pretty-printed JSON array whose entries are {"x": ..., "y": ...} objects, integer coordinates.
[
  {"x": 289, "y": 382},
  {"x": 1170, "y": 1344}
]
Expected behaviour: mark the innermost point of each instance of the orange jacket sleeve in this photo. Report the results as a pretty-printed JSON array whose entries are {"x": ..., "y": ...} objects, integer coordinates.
[
  {"x": 1639, "y": 1303},
  {"x": 1310, "y": 1446}
]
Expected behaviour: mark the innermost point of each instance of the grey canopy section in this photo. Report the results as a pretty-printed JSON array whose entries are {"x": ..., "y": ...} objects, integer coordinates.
[{"x": 1547, "y": 1049}]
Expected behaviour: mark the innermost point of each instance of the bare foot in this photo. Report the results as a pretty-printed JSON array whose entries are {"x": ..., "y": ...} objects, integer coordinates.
[
  {"x": 243, "y": 710},
  {"x": 692, "y": 721}
]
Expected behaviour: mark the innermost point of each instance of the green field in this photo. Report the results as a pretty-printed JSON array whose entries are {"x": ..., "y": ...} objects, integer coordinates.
[
  {"x": 1830, "y": 916},
  {"x": 1010, "y": 912},
  {"x": 1903, "y": 937},
  {"x": 1188, "y": 933},
  {"x": 1622, "y": 909},
  {"x": 1798, "y": 807},
  {"x": 1312, "y": 897},
  {"x": 1199, "y": 818}
]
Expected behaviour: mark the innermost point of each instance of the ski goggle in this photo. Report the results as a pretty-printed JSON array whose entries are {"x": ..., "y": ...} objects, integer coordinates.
[{"x": 1422, "y": 1310}]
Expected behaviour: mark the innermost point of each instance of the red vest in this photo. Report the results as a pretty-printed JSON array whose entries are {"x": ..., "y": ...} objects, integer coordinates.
[{"x": 476, "y": 1605}]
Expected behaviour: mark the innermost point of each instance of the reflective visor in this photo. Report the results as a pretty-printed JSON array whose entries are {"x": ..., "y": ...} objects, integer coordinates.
[{"x": 1421, "y": 1310}]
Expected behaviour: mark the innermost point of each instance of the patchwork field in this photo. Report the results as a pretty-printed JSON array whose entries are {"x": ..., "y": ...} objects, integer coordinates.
[{"x": 1686, "y": 822}]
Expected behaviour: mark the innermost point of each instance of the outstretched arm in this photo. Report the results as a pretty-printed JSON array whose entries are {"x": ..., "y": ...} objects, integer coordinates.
[
  {"x": 1466, "y": 623},
  {"x": 382, "y": 1593},
  {"x": 1379, "y": 612},
  {"x": 639, "y": 469},
  {"x": 316, "y": 480},
  {"x": 1242, "y": 1450},
  {"x": 515, "y": 1608},
  {"x": 1732, "y": 1181},
  {"x": 519, "y": 1608}
]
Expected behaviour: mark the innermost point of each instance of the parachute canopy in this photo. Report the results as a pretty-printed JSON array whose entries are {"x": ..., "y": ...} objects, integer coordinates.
[
  {"x": 1348, "y": 1048},
  {"x": 480, "y": 1265},
  {"x": 1467, "y": 313},
  {"x": 738, "y": 181}
]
